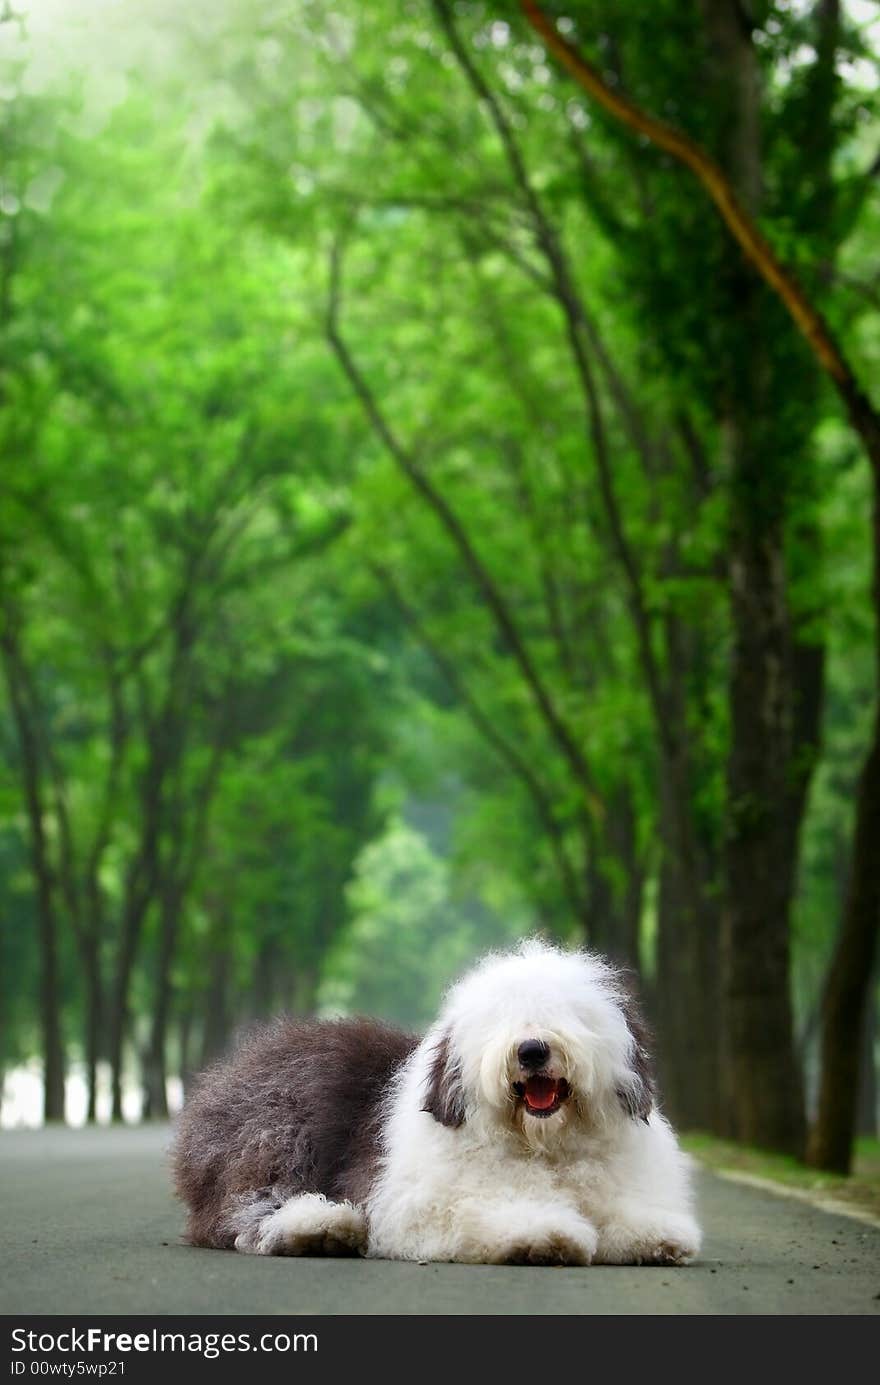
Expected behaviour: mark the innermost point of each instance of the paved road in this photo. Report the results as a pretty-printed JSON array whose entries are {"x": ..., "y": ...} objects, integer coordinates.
[{"x": 89, "y": 1225}]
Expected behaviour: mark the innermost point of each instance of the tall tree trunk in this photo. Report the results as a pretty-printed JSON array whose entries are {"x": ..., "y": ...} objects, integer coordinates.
[
  {"x": 763, "y": 1090},
  {"x": 119, "y": 1014},
  {"x": 91, "y": 931},
  {"x": 47, "y": 922},
  {"x": 686, "y": 993},
  {"x": 141, "y": 885},
  {"x": 774, "y": 738},
  {"x": 140, "y": 889},
  {"x": 866, "y": 1115},
  {"x": 50, "y": 1008},
  {"x": 155, "y": 1066},
  {"x": 776, "y": 699},
  {"x": 763, "y": 1085},
  {"x": 165, "y": 733},
  {"x": 186, "y": 825},
  {"x": 688, "y": 927},
  {"x": 153, "y": 1082},
  {"x": 846, "y": 988},
  {"x": 94, "y": 1019}
]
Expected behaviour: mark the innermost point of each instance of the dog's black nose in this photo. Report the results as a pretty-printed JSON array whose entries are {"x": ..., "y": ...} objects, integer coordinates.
[{"x": 533, "y": 1053}]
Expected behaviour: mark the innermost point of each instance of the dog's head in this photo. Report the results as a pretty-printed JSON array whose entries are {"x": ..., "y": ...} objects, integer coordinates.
[{"x": 539, "y": 1042}]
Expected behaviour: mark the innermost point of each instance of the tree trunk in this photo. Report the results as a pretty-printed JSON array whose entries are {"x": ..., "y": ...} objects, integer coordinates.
[
  {"x": 119, "y": 1020},
  {"x": 598, "y": 916},
  {"x": 849, "y": 976},
  {"x": 686, "y": 999},
  {"x": 50, "y": 1013},
  {"x": 155, "y": 1098},
  {"x": 763, "y": 1087},
  {"x": 866, "y": 1116},
  {"x": 47, "y": 922},
  {"x": 764, "y": 1090},
  {"x": 848, "y": 982},
  {"x": 93, "y": 1026},
  {"x": 304, "y": 989},
  {"x": 185, "y": 1040},
  {"x": 615, "y": 885},
  {"x": 155, "y": 1065},
  {"x": 622, "y": 833},
  {"x": 140, "y": 889},
  {"x": 686, "y": 991},
  {"x": 776, "y": 688},
  {"x": 264, "y": 989},
  {"x": 218, "y": 1019}
]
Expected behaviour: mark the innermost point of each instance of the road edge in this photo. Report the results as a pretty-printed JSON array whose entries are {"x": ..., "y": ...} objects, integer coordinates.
[{"x": 831, "y": 1205}]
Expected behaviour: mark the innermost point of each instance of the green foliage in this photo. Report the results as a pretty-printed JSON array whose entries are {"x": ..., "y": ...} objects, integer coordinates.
[
  {"x": 409, "y": 936},
  {"x": 289, "y": 676}
]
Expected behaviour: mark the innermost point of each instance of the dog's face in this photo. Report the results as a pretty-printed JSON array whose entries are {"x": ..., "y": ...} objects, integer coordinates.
[{"x": 540, "y": 1042}]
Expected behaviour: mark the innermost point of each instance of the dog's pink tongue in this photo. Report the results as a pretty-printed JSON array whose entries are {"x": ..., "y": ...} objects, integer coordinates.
[{"x": 541, "y": 1092}]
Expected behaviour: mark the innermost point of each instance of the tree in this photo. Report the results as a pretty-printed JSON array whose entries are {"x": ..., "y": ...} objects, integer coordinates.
[
  {"x": 850, "y": 972},
  {"x": 400, "y": 458}
]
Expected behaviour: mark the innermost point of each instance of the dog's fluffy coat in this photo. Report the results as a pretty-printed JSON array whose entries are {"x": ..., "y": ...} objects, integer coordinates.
[{"x": 349, "y": 1137}]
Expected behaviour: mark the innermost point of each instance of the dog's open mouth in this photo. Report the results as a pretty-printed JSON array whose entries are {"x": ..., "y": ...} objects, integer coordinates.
[{"x": 542, "y": 1096}]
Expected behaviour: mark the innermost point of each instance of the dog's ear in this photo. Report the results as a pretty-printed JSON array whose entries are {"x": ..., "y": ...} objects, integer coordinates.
[
  {"x": 637, "y": 1095},
  {"x": 444, "y": 1094}
]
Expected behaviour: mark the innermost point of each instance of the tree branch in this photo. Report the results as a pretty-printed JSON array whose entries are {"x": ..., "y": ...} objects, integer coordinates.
[
  {"x": 441, "y": 508},
  {"x": 743, "y": 228},
  {"x": 487, "y": 728},
  {"x": 574, "y": 315}
]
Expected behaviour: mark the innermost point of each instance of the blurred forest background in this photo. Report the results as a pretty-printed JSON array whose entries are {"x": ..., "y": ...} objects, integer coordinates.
[{"x": 419, "y": 526}]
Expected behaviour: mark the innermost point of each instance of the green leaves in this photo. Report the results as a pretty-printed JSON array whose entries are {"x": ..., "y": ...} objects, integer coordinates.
[{"x": 209, "y": 543}]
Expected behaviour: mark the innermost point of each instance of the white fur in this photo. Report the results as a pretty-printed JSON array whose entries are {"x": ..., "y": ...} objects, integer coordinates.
[
  {"x": 588, "y": 1184},
  {"x": 306, "y": 1225}
]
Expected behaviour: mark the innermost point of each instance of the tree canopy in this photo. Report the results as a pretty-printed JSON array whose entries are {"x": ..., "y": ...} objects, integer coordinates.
[{"x": 420, "y": 526}]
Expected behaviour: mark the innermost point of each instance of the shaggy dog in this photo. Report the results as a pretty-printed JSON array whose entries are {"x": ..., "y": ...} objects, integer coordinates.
[{"x": 521, "y": 1130}]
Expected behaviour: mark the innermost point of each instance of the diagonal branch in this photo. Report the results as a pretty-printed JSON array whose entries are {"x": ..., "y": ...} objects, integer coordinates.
[
  {"x": 450, "y": 521},
  {"x": 757, "y": 249},
  {"x": 569, "y": 300},
  {"x": 504, "y": 748}
]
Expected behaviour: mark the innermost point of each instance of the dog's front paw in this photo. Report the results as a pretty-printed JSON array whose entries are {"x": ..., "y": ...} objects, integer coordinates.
[
  {"x": 553, "y": 1248},
  {"x": 656, "y": 1240},
  {"x": 548, "y": 1238},
  {"x": 307, "y": 1225}
]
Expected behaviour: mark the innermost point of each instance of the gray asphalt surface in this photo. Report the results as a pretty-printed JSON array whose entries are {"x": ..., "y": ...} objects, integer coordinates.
[{"x": 89, "y": 1224}]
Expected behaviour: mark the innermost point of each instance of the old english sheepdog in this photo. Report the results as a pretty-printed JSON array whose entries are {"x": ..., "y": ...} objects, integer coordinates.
[{"x": 521, "y": 1130}]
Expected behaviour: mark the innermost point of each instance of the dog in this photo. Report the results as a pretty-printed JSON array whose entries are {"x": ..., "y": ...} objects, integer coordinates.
[{"x": 522, "y": 1129}]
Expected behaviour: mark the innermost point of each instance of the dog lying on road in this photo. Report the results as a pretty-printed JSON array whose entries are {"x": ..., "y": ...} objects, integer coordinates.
[{"x": 522, "y": 1129}]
